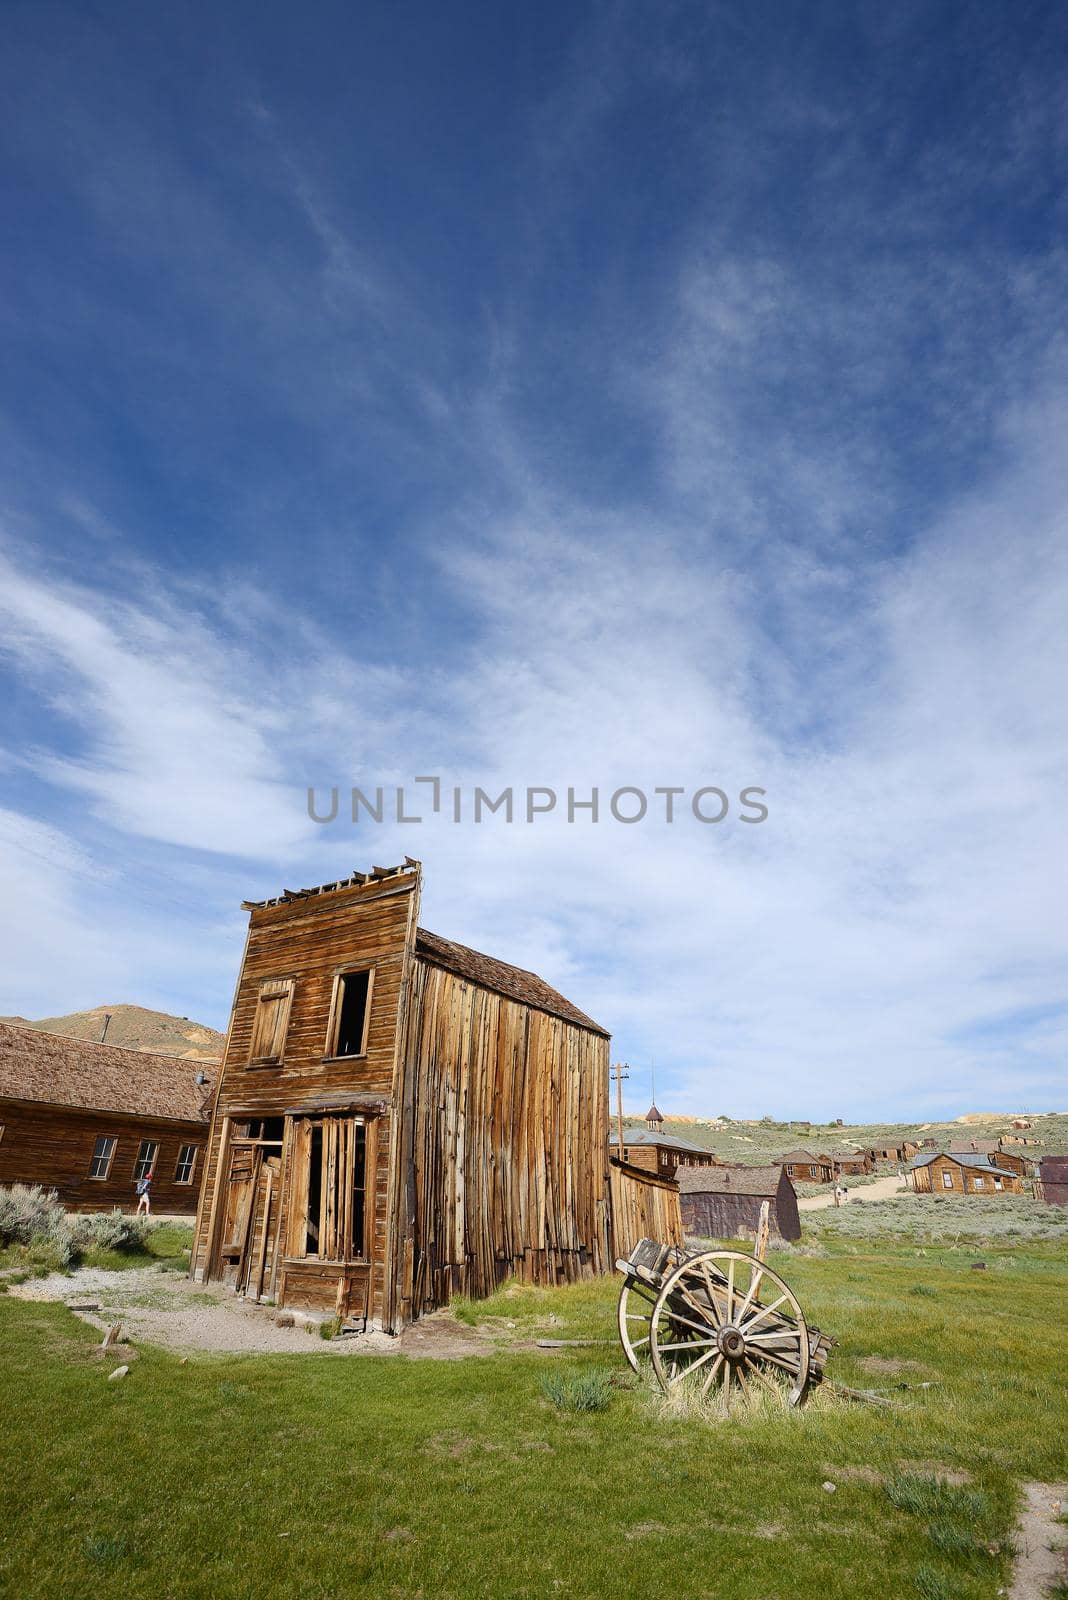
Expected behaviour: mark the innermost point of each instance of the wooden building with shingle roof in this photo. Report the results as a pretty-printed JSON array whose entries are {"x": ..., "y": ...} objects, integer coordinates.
[
  {"x": 88, "y": 1120},
  {"x": 401, "y": 1118},
  {"x": 724, "y": 1202}
]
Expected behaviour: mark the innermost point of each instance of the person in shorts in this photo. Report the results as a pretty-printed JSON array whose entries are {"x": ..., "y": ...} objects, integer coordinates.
[{"x": 144, "y": 1195}]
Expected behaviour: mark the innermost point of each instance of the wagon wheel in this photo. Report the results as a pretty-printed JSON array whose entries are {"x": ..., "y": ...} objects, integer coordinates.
[
  {"x": 635, "y": 1316},
  {"x": 709, "y": 1325}
]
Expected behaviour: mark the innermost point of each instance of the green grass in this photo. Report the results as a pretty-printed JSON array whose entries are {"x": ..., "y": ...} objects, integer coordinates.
[
  {"x": 261, "y": 1478},
  {"x": 167, "y": 1245}
]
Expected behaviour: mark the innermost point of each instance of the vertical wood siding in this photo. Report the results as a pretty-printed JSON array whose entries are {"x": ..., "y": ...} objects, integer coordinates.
[
  {"x": 643, "y": 1207},
  {"x": 504, "y": 1133}
]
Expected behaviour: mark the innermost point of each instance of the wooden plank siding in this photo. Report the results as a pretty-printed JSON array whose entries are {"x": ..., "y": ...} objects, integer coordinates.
[
  {"x": 53, "y": 1145},
  {"x": 505, "y": 1114},
  {"x": 643, "y": 1207},
  {"x": 484, "y": 1094},
  {"x": 311, "y": 941}
]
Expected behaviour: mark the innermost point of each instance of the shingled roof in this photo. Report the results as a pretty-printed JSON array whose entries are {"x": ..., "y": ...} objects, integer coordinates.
[
  {"x": 56, "y": 1070},
  {"x": 515, "y": 983},
  {"x": 762, "y": 1181}
]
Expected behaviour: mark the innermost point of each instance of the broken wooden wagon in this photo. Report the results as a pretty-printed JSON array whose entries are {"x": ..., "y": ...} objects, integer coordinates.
[{"x": 718, "y": 1321}]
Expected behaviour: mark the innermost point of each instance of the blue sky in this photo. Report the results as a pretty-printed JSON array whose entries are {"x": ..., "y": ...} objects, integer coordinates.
[{"x": 591, "y": 395}]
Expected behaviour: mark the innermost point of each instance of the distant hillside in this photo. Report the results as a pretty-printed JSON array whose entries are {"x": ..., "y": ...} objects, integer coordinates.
[
  {"x": 754, "y": 1142},
  {"x": 137, "y": 1029}
]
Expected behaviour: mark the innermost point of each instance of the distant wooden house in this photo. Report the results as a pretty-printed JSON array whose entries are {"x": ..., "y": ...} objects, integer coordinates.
[
  {"x": 804, "y": 1167},
  {"x": 992, "y": 1150},
  {"x": 400, "y": 1118},
  {"x": 1051, "y": 1184},
  {"x": 886, "y": 1152},
  {"x": 854, "y": 1164},
  {"x": 907, "y": 1149},
  {"x": 967, "y": 1172},
  {"x": 662, "y": 1153},
  {"x": 724, "y": 1202},
  {"x": 89, "y": 1120}
]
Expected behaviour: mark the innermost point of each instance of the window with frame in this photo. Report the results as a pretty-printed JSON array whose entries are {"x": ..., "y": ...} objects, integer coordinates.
[
  {"x": 103, "y": 1155},
  {"x": 147, "y": 1152},
  {"x": 812, "y": 1172},
  {"x": 270, "y": 1022},
  {"x": 947, "y": 1180},
  {"x": 350, "y": 1012},
  {"x": 980, "y": 1183},
  {"x": 187, "y": 1160},
  {"x": 997, "y": 1183}
]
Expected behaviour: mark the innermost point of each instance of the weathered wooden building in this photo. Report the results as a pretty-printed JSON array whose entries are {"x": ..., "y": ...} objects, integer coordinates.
[
  {"x": 1052, "y": 1182},
  {"x": 992, "y": 1149},
  {"x": 400, "y": 1118},
  {"x": 964, "y": 1173},
  {"x": 854, "y": 1164},
  {"x": 660, "y": 1152},
  {"x": 644, "y": 1206},
  {"x": 804, "y": 1167},
  {"x": 88, "y": 1120},
  {"x": 724, "y": 1202}
]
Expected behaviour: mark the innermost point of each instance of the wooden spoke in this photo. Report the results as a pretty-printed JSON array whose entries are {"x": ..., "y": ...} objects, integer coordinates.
[
  {"x": 750, "y": 1294},
  {"x": 766, "y": 1311},
  {"x": 713, "y": 1373},
  {"x": 709, "y": 1320}
]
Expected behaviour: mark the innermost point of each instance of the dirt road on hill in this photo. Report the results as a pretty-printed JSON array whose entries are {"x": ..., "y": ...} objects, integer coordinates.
[{"x": 882, "y": 1189}]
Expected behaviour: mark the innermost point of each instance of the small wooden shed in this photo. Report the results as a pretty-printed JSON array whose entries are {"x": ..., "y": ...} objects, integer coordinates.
[
  {"x": 723, "y": 1202},
  {"x": 88, "y": 1120}
]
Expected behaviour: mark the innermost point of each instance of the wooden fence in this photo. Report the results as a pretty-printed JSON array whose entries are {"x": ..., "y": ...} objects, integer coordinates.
[{"x": 644, "y": 1206}]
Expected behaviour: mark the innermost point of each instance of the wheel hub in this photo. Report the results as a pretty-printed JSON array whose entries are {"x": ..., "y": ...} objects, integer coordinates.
[{"x": 731, "y": 1342}]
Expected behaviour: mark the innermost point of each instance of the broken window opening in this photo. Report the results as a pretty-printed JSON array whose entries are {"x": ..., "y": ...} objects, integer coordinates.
[
  {"x": 331, "y": 1220},
  {"x": 350, "y": 1014}
]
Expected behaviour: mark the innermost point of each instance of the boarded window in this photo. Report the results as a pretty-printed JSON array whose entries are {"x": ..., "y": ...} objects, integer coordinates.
[
  {"x": 271, "y": 1021},
  {"x": 349, "y": 1014},
  {"x": 103, "y": 1152},
  {"x": 187, "y": 1160},
  {"x": 329, "y": 1221},
  {"x": 146, "y": 1159}
]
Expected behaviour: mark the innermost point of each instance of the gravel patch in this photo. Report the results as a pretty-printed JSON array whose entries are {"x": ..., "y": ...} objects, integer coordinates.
[{"x": 163, "y": 1308}]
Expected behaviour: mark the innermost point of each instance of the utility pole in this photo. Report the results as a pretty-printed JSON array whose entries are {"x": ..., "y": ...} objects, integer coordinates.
[
  {"x": 620, "y": 1071},
  {"x": 104, "y": 1029}
]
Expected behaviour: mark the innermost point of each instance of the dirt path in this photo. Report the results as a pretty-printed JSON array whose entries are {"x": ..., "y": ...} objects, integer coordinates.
[
  {"x": 882, "y": 1189},
  {"x": 1041, "y": 1542},
  {"x": 164, "y": 1308}
]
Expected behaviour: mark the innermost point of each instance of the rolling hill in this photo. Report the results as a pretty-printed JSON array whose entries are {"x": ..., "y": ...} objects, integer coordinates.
[{"x": 137, "y": 1028}]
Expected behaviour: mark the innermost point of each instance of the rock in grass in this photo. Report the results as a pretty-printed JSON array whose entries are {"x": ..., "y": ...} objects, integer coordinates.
[
  {"x": 831, "y": 1488},
  {"x": 120, "y": 1372}
]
